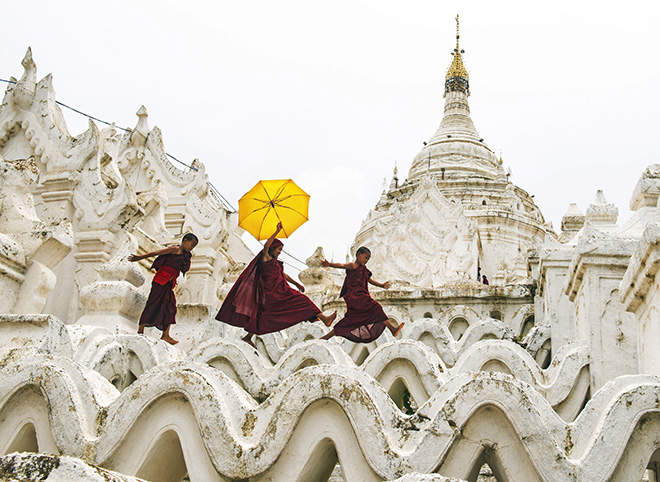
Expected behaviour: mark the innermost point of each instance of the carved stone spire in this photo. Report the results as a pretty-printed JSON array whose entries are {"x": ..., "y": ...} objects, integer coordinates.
[
  {"x": 457, "y": 121},
  {"x": 457, "y": 78},
  {"x": 600, "y": 212},
  {"x": 141, "y": 131},
  {"x": 394, "y": 184},
  {"x": 456, "y": 148},
  {"x": 24, "y": 91},
  {"x": 571, "y": 223}
]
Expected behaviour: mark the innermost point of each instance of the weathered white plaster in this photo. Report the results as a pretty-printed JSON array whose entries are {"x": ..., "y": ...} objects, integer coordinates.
[
  {"x": 596, "y": 270},
  {"x": 53, "y": 468},
  {"x": 108, "y": 193},
  {"x": 214, "y": 417}
]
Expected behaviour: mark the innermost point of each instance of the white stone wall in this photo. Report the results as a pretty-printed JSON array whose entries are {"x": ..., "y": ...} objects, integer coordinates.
[
  {"x": 73, "y": 208},
  {"x": 641, "y": 296}
]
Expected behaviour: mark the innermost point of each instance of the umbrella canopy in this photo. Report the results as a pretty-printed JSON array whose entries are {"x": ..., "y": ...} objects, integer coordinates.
[{"x": 272, "y": 202}]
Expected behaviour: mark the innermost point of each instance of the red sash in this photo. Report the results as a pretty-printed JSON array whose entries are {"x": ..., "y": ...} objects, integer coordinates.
[{"x": 166, "y": 273}]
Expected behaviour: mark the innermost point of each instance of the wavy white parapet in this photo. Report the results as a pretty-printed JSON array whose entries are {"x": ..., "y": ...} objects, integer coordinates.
[
  {"x": 436, "y": 335},
  {"x": 249, "y": 369},
  {"x": 320, "y": 414},
  {"x": 406, "y": 365},
  {"x": 117, "y": 357},
  {"x": 440, "y": 339},
  {"x": 123, "y": 358},
  {"x": 426, "y": 478}
]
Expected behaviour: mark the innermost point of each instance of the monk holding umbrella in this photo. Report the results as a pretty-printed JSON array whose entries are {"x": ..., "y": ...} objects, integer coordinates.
[{"x": 262, "y": 301}]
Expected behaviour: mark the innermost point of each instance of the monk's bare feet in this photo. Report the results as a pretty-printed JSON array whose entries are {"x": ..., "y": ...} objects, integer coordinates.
[
  {"x": 249, "y": 341},
  {"x": 327, "y": 336},
  {"x": 169, "y": 340},
  {"x": 327, "y": 320},
  {"x": 140, "y": 329},
  {"x": 398, "y": 330}
]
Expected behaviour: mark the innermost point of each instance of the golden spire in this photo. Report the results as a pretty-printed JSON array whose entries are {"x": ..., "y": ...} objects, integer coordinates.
[{"x": 457, "y": 76}]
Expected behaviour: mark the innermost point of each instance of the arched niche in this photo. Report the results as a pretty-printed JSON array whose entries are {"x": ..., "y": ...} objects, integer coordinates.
[
  {"x": 527, "y": 325},
  {"x": 165, "y": 461},
  {"x": 458, "y": 326},
  {"x": 496, "y": 314},
  {"x": 544, "y": 355}
]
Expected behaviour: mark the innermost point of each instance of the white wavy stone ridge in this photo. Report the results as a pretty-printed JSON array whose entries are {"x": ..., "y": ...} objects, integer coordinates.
[{"x": 318, "y": 407}]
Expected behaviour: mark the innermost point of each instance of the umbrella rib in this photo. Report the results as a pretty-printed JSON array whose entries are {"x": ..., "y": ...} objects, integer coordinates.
[
  {"x": 281, "y": 188},
  {"x": 278, "y": 217},
  {"x": 265, "y": 206},
  {"x": 261, "y": 226},
  {"x": 267, "y": 195},
  {"x": 277, "y": 193},
  {"x": 280, "y": 220},
  {"x": 292, "y": 209},
  {"x": 280, "y": 199}
]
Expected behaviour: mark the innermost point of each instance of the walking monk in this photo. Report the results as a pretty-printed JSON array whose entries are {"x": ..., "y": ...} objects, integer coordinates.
[
  {"x": 160, "y": 310},
  {"x": 365, "y": 319},
  {"x": 261, "y": 301}
]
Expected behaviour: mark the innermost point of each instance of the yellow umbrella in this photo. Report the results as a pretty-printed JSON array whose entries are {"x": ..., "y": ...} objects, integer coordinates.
[{"x": 272, "y": 202}]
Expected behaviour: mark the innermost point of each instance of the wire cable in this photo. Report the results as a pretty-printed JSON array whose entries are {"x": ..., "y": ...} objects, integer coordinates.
[
  {"x": 213, "y": 188},
  {"x": 192, "y": 168}
]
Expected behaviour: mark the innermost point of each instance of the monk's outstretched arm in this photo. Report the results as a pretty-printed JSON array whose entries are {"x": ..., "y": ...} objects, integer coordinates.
[
  {"x": 168, "y": 250},
  {"x": 327, "y": 264},
  {"x": 300, "y": 287},
  {"x": 385, "y": 285},
  {"x": 270, "y": 240}
]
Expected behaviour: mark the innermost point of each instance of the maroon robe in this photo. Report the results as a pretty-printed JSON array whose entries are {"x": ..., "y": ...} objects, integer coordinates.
[
  {"x": 262, "y": 301},
  {"x": 364, "y": 317},
  {"x": 160, "y": 310}
]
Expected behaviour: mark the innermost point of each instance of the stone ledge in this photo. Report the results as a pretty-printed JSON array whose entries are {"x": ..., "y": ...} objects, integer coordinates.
[
  {"x": 19, "y": 467},
  {"x": 644, "y": 265}
]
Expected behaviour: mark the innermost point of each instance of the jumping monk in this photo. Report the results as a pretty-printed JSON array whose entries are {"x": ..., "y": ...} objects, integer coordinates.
[
  {"x": 160, "y": 310},
  {"x": 365, "y": 319},
  {"x": 261, "y": 301}
]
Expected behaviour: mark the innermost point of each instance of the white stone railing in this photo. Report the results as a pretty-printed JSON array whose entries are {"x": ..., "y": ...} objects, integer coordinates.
[{"x": 224, "y": 433}]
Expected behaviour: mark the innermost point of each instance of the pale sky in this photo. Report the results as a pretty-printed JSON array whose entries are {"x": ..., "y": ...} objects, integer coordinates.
[{"x": 332, "y": 94}]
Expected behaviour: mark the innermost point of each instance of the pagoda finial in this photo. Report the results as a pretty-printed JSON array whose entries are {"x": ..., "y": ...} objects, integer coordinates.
[
  {"x": 395, "y": 178},
  {"x": 457, "y": 76}
]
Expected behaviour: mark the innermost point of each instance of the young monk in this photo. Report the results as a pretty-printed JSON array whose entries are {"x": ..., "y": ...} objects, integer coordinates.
[
  {"x": 365, "y": 319},
  {"x": 261, "y": 301},
  {"x": 160, "y": 310}
]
